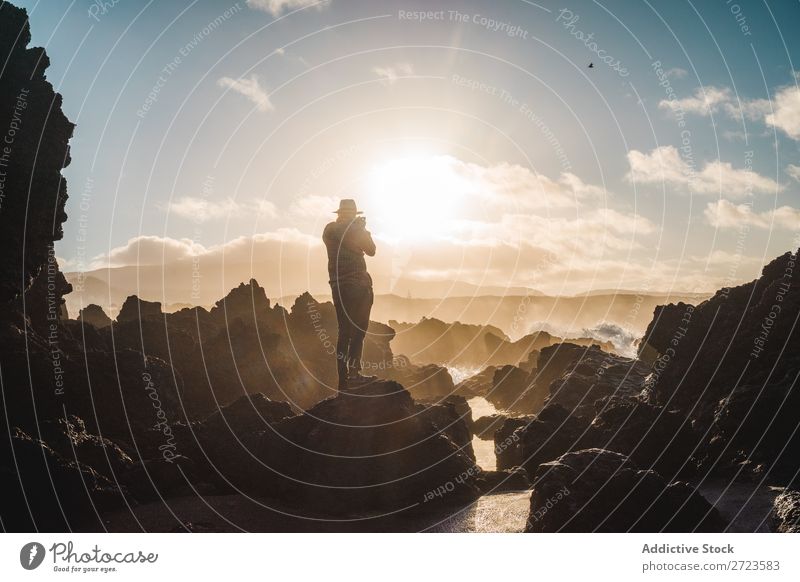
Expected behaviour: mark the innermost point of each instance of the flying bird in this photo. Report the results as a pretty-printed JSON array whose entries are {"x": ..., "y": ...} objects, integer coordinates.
[{"x": 591, "y": 65}]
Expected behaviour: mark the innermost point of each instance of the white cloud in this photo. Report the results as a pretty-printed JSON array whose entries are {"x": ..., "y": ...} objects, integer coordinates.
[
  {"x": 676, "y": 73},
  {"x": 391, "y": 74},
  {"x": 201, "y": 209},
  {"x": 665, "y": 165},
  {"x": 786, "y": 111},
  {"x": 148, "y": 250},
  {"x": 251, "y": 89},
  {"x": 782, "y": 112},
  {"x": 314, "y": 206},
  {"x": 276, "y": 7},
  {"x": 705, "y": 100},
  {"x": 726, "y": 214},
  {"x": 793, "y": 171},
  {"x": 204, "y": 209}
]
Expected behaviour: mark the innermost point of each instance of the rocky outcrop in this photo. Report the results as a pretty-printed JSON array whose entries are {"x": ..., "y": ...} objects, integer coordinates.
[
  {"x": 583, "y": 375},
  {"x": 786, "y": 512},
  {"x": 36, "y": 136},
  {"x": 425, "y": 382},
  {"x": 756, "y": 425},
  {"x": 45, "y": 491},
  {"x": 135, "y": 310},
  {"x": 94, "y": 315},
  {"x": 742, "y": 336},
  {"x": 366, "y": 450},
  {"x": 485, "y": 427},
  {"x": 595, "y": 490},
  {"x": 459, "y": 344}
]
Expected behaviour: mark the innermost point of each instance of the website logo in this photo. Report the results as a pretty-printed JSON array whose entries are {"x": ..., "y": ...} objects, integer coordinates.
[{"x": 31, "y": 555}]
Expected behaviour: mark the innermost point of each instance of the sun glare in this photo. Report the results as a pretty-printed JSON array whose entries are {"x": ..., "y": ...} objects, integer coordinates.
[{"x": 415, "y": 197}]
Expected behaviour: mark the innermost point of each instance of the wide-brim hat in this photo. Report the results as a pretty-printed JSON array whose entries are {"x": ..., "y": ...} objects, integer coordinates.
[{"x": 347, "y": 205}]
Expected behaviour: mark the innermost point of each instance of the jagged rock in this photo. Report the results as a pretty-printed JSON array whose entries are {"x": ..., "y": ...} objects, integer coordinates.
[
  {"x": 364, "y": 450},
  {"x": 428, "y": 382},
  {"x": 135, "y": 309},
  {"x": 786, "y": 512},
  {"x": 652, "y": 436},
  {"x": 736, "y": 338},
  {"x": 577, "y": 376},
  {"x": 70, "y": 439},
  {"x": 757, "y": 424},
  {"x": 94, "y": 315},
  {"x": 44, "y": 491},
  {"x": 248, "y": 301},
  {"x": 486, "y": 426},
  {"x": 249, "y": 413},
  {"x": 552, "y": 433},
  {"x": 479, "y": 384},
  {"x": 508, "y": 442},
  {"x": 34, "y": 191},
  {"x": 453, "y": 417},
  {"x": 595, "y": 490},
  {"x": 509, "y": 383}
]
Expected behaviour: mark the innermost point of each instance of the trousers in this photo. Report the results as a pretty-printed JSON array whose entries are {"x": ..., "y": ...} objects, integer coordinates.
[{"x": 353, "y": 303}]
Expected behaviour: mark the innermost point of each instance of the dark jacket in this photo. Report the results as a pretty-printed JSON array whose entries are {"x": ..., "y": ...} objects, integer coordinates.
[{"x": 347, "y": 241}]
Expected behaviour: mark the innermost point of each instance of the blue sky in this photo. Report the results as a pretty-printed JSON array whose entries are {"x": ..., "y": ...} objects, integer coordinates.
[{"x": 477, "y": 140}]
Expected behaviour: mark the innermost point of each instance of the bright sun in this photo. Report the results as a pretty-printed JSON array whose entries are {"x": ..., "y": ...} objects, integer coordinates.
[{"x": 414, "y": 197}]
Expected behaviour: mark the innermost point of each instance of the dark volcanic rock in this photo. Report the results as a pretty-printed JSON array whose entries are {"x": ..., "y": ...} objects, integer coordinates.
[
  {"x": 249, "y": 413},
  {"x": 786, "y": 512},
  {"x": 758, "y": 424},
  {"x": 598, "y": 490},
  {"x": 94, "y": 315},
  {"x": 43, "y": 491},
  {"x": 486, "y": 426},
  {"x": 508, "y": 442},
  {"x": 742, "y": 336},
  {"x": 653, "y": 437},
  {"x": 581, "y": 375},
  {"x": 368, "y": 449},
  {"x": 135, "y": 310},
  {"x": 34, "y": 191},
  {"x": 424, "y": 382},
  {"x": 552, "y": 433}
]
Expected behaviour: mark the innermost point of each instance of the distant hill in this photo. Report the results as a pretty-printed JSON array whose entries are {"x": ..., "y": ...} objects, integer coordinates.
[{"x": 516, "y": 312}]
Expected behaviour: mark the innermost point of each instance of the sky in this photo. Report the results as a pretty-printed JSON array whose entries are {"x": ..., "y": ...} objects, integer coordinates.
[{"x": 481, "y": 146}]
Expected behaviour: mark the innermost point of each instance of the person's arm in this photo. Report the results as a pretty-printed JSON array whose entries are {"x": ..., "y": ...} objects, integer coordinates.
[
  {"x": 358, "y": 238},
  {"x": 367, "y": 244}
]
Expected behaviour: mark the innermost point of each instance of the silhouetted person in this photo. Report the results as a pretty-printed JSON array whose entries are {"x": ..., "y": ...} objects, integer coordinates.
[{"x": 347, "y": 241}]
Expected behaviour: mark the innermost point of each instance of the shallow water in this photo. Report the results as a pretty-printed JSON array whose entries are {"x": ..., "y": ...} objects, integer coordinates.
[{"x": 484, "y": 450}]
